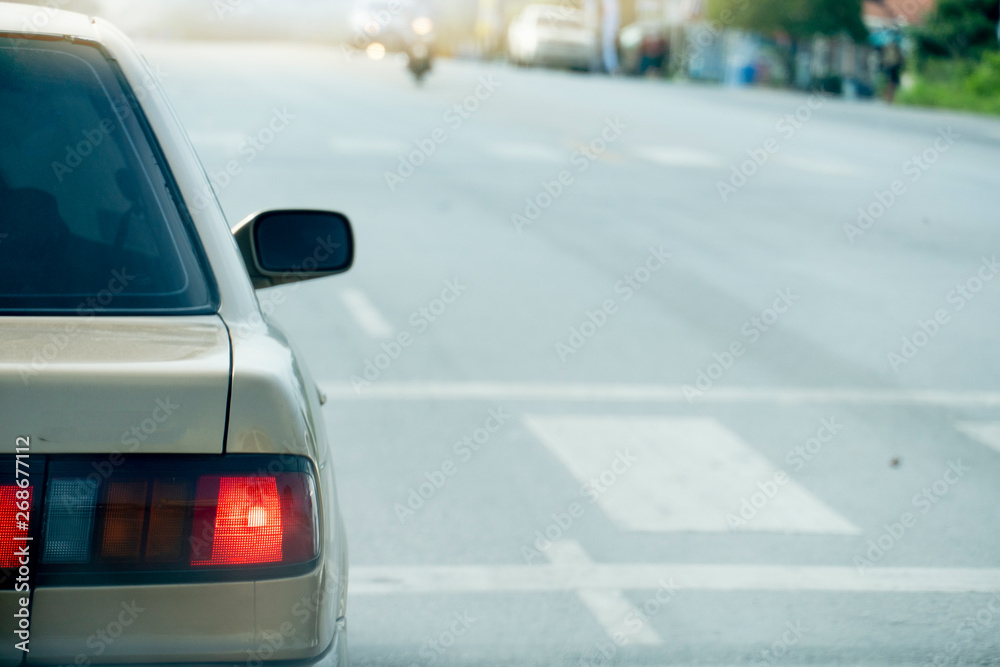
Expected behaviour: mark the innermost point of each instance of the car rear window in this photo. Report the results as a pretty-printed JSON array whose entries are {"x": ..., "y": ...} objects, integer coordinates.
[{"x": 89, "y": 220}]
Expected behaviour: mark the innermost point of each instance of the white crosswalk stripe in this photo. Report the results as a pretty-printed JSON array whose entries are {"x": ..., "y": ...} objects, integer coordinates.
[
  {"x": 610, "y": 607},
  {"x": 666, "y": 474},
  {"x": 987, "y": 433}
]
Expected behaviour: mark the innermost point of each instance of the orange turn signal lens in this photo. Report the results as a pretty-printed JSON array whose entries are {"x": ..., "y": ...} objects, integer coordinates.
[{"x": 124, "y": 514}]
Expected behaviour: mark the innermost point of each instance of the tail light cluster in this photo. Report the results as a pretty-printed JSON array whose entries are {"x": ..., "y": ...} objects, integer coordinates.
[
  {"x": 172, "y": 518},
  {"x": 13, "y": 528}
]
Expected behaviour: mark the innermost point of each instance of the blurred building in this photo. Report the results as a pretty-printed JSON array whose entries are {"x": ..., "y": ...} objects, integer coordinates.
[{"x": 894, "y": 14}]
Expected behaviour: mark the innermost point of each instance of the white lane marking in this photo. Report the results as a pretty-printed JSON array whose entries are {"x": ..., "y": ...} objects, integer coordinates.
[
  {"x": 526, "y": 152},
  {"x": 680, "y": 157},
  {"x": 987, "y": 433},
  {"x": 681, "y": 474},
  {"x": 819, "y": 166},
  {"x": 380, "y": 580},
  {"x": 626, "y": 393},
  {"x": 609, "y": 607},
  {"x": 366, "y": 314},
  {"x": 360, "y": 145}
]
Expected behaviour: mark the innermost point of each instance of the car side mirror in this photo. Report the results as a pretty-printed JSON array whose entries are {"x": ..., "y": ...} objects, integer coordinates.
[{"x": 286, "y": 246}]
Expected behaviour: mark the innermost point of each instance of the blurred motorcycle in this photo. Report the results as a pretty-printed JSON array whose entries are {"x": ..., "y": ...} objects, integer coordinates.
[{"x": 419, "y": 58}]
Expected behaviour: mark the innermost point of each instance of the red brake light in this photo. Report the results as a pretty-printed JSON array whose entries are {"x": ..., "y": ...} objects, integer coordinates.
[
  {"x": 171, "y": 516},
  {"x": 243, "y": 517},
  {"x": 11, "y": 526}
]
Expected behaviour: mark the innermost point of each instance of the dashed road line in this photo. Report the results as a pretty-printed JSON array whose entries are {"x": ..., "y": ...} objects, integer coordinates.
[
  {"x": 366, "y": 314},
  {"x": 525, "y": 152},
  {"x": 823, "y": 167},
  {"x": 680, "y": 157}
]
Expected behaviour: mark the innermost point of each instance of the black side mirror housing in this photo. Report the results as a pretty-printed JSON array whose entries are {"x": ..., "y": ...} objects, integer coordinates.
[{"x": 286, "y": 246}]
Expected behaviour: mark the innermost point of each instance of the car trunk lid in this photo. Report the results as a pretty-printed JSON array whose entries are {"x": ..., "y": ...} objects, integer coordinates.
[{"x": 143, "y": 385}]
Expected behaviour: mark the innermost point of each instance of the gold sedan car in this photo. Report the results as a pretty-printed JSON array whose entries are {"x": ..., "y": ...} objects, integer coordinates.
[{"x": 166, "y": 492}]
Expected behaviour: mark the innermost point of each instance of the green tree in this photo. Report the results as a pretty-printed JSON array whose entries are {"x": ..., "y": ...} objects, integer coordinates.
[
  {"x": 959, "y": 29},
  {"x": 797, "y": 18}
]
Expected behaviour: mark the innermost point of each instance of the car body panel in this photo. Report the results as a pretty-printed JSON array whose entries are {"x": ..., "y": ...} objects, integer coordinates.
[
  {"x": 273, "y": 403},
  {"x": 165, "y": 623},
  {"x": 115, "y": 384},
  {"x": 10, "y": 655},
  {"x": 261, "y": 353},
  {"x": 269, "y": 414},
  {"x": 554, "y": 53},
  {"x": 44, "y": 20},
  {"x": 187, "y": 622}
]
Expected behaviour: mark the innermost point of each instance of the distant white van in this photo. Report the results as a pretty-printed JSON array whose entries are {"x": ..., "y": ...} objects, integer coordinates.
[{"x": 552, "y": 36}]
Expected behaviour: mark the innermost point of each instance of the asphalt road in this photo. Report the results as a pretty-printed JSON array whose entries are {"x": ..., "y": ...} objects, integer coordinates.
[{"x": 790, "y": 411}]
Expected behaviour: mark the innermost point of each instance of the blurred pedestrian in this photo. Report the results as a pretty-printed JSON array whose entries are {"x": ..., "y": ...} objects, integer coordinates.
[
  {"x": 610, "y": 22},
  {"x": 652, "y": 52},
  {"x": 892, "y": 65}
]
